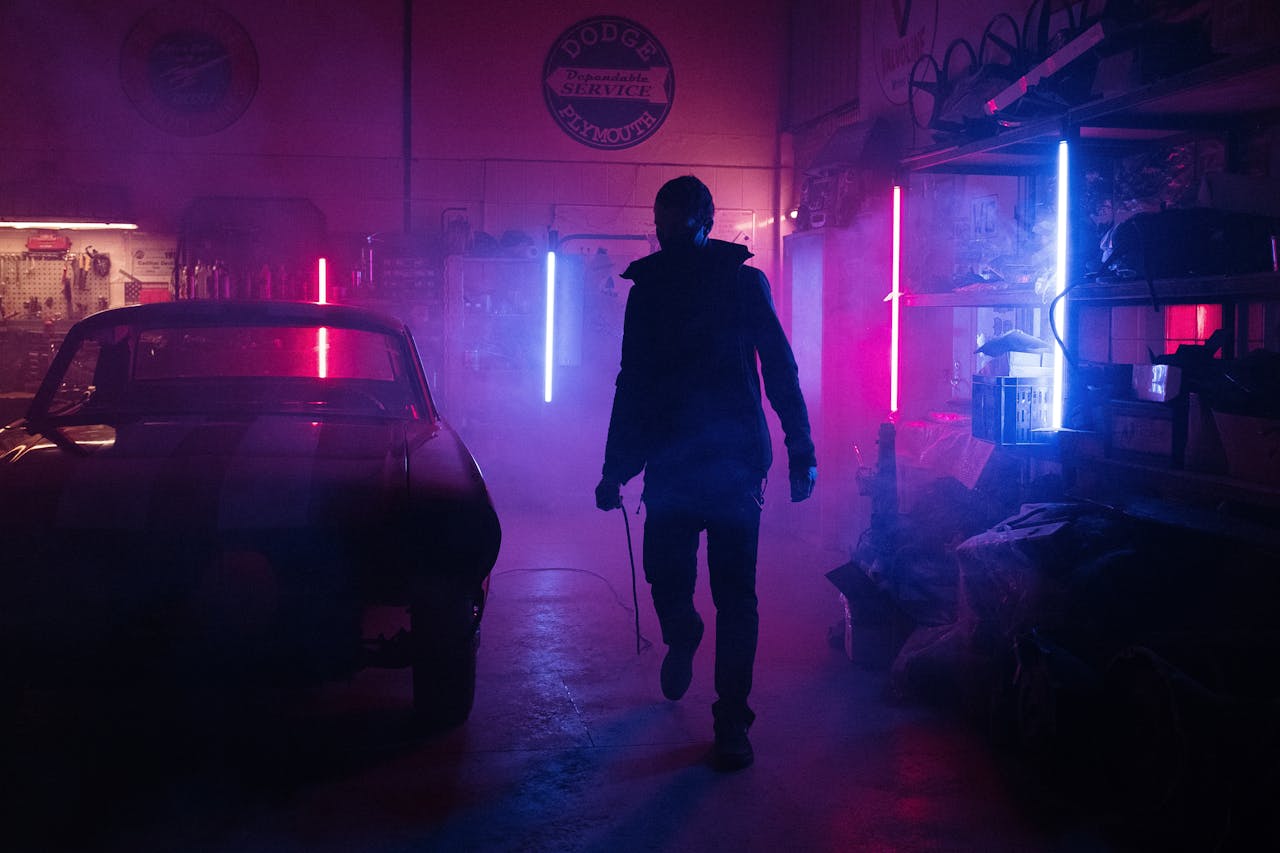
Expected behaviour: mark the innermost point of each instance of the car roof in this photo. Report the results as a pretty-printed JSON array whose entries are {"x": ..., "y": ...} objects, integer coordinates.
[{"x": 242, "y": 312}]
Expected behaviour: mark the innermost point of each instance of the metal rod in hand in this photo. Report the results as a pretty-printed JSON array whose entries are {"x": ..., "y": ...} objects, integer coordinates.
[{"x": 631, "y": 555}]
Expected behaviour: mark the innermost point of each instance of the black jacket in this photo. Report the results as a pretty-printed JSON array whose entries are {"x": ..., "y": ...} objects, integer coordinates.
[{"x": 687, "y": 408}]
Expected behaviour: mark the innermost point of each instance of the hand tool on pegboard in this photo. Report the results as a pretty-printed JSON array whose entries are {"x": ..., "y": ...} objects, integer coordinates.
[
  {"x": 66, "y": 284},
  {"x": 100, "y": 262},
  {"x": 82, "y": 271},
  {"x": 82, "y": 287},
  {"x": 13, "y": 287}
]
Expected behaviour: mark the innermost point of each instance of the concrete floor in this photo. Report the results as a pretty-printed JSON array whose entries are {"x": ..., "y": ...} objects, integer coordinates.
[{"x": 570, "y": 746}]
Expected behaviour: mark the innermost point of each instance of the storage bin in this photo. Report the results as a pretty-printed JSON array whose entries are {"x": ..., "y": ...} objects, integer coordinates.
[{"x": 1010, "y": 409}]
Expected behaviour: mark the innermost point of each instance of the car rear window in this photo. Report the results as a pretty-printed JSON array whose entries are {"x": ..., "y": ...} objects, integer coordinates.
[{"x": 266, "y": 351}]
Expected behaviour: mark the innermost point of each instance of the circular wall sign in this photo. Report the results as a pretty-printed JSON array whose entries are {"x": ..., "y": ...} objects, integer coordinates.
[
  {"x": 189, "y": 68},
  {"x": 901, "y": 33},
  {"x": 608, "y": 83}
]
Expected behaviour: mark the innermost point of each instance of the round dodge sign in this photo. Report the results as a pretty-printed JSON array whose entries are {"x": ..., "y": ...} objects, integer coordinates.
[{"x": 608, "y": 83}]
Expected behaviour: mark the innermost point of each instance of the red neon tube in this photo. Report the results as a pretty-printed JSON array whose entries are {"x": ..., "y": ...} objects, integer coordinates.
[{"x": 322, "y": 336}]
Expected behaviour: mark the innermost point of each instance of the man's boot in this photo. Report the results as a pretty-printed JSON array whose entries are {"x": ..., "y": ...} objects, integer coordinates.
[
  {"x": 677, "y": 666},
  {"x": 732, "y": 750}
]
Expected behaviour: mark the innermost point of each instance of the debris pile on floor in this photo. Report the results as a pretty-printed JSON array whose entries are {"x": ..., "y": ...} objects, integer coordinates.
[{"x": 1127, "y": 659}]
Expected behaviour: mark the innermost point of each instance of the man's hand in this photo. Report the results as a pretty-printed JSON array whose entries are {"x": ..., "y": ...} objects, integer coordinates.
[
  {"x": 608, "y": 494},
  {"x": 802, "y": 483}
]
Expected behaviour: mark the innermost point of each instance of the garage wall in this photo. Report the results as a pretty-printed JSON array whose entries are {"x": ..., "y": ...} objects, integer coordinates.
[{"x": 325, "y": 120}]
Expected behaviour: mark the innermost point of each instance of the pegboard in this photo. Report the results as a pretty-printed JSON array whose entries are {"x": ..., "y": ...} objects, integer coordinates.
[{"x": 31, "y": 285}]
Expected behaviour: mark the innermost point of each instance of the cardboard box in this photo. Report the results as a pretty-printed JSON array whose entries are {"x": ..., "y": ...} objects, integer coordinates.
[
  {"x": 1146, "y": 431},
  {"x": 1158, "y": 383},
  {"x": 1020, "y": 364},
  {"x": 1204, "y": 452},
  {"x": 1252, "y": 445}
]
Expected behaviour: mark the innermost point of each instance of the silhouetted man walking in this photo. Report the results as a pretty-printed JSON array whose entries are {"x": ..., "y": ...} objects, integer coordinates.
[{"x": 687, "y": 411}]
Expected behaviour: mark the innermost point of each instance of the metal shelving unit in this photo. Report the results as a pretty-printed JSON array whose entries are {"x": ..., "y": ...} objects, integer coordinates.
[
  {"x": 1181, "y": 290},
  {"x": 1217, "y": 97},
  {"x": 1200, "y": 98}
]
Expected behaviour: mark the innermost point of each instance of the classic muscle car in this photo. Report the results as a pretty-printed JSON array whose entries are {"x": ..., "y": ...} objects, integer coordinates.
[{"x": 212, "y": 490}]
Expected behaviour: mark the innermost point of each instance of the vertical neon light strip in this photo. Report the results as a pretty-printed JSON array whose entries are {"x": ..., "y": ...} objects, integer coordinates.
[
  {"x": 895, "y": 296},
  {"x": 551, "y": 327},
  {"x": 1060, "y": 285},
  {"x": 322, "y": 335}
]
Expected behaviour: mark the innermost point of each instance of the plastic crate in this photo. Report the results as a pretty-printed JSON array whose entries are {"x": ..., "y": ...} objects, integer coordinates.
[{"x": 1010, "y": 409}]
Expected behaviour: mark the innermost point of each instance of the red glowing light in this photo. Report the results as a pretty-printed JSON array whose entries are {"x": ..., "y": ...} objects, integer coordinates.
[
  {"x": 322, "y": 352},
  {"x": 322, "y": 335}
]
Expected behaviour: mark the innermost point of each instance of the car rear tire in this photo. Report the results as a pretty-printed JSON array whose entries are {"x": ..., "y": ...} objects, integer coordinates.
[
  {"x": 444, "y": 686},
  {"x": 10, "y": 704},
  {"x": 11, "y": 688},
  {"x": 445, "y": 635}
]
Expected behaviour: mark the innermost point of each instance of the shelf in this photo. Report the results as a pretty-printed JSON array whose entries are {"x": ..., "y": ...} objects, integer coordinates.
[
  {"x": 1219, "y": 96},
  {"x": 1018, "y": 151},
  {"x": 1222, "y": 288},
  {"x": 1202, "y": 488},
  {"x": 1184, "y": 498},
  {"x": 975, "y": 299},
  {"x": 1227, "y": 88},
  {"x": 1214, "y": 95}
]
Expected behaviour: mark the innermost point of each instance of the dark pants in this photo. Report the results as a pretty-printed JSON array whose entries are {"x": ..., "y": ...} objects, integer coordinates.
[{"x": 672, "y": 526}]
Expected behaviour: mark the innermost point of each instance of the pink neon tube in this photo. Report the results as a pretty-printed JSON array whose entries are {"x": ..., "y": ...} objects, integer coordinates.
[{"x": 894, "y": 299}]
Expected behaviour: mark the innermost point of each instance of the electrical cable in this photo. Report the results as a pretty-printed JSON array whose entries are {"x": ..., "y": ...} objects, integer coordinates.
[
  {"x": 642, "y": 642},
  {"x": 538, "y": 569},
  {"x": 1053, "y": 327}
]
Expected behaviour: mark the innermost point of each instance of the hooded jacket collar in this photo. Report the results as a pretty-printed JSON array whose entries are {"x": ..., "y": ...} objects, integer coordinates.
[{"x": 716, "y": 253}]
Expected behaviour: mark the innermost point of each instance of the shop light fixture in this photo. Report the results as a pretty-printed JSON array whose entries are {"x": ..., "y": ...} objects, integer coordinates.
[
  {"x": 551, "y": 327},
  {"x": 1060, "y": 286},
  {"x": 60, "y": 225},
  {"x": 322, "y": 277}
]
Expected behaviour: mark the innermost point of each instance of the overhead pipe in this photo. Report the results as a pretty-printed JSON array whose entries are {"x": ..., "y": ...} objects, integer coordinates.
[{"x": 407, "y": 117}]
